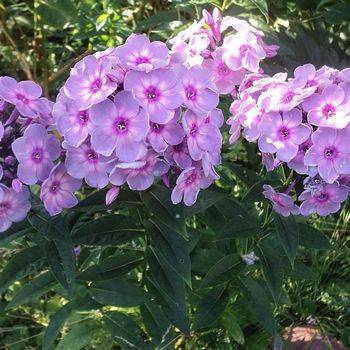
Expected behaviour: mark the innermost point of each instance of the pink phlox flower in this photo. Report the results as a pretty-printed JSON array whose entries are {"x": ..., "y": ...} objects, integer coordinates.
[
  {"x": 282, "y": 134},
  {"x": 57, "y": 191},
  {"x": 36, "y": 151},
  {"x": 178, "y": 155},
  {"x": 328, "y": 108},
  {"x": 138, "y": 53},
  {"x": 14, "y": 206},
  {"x": 330, "y": 153},
  {"x": 188, "y": 185},
  {"x": 283, "y": 204}
]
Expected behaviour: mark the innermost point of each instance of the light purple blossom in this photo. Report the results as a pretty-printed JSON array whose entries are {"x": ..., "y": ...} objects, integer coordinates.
[
  {"x": 57, "y": 191},
  {"x": 323, "y": 202},
  {"x": 35, "y": 151},
  {"x": 14, "y": 206},
  {"x": 73, "y": 124},
  {"x": 138, "y": 53},
  {"x": 297, "y": 163},
  {"x": 201, "y": 136},
  {"x": 283, "y": 204},
  {"x": 139, "y": 174},
  {"x": 283, "y": 134},
  {"x": 162, "y": 135},
  {"x": 112, "y": 195},
  {"x": 188, "y": 185},
  {"x": 121, "y": 126},
  {"x": 224, "y": 78},
  {"x": 158, "y": 92},
  {"x": 178, "y": 155},
  {"x": 215, "y": 117},
  {"x": 328, "y": 108},
  {"x": 91, "y": 83},
  {"x": 198, "y": 90},
  {"x": 85, "y": 163},
  {"x": 312, "y": 77},
  {"x": 242, "y": 50},
  {"x": 24, "y": 95},
  {"x": 330, "y": 152}
]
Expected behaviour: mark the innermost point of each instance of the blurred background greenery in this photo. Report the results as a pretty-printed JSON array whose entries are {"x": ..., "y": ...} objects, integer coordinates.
[{"x": 41, "y": 40}]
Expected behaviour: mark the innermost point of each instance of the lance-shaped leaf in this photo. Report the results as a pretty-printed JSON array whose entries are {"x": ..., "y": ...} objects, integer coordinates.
[
  {"x": 210, "y": 307},
  {"x": 158, "y": 200},
  {"x": 124, "y": 330},
  {"x": 170, "y": 249},
  {"x": 310, "y": 237},
  {"x": 33, "y": 289},
  {"x": 19, "y": 266},
  {"x": 223, "y": 271},
  {"x": 112, "y": 267},
  {"x": 171, "y": 290},
  {"x": 108, "y": 230},
  {"x": 118, "y": 292},
  {"x": 17, "y": 230},
  {"x": 288, "y": 233},
  {"x": 272, "y": 268},
  {"x": 61, "y": 258}
]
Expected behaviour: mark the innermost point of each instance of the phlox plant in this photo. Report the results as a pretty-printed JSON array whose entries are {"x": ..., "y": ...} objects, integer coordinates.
[{"x": 124, "y": 197}]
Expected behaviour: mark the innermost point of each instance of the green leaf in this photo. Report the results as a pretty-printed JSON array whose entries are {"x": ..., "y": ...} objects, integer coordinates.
[
  {"x": 108, "y": 230},
  {"x": 310, "y": 237},
  {"x": 301, "y": 272},
  {"x": 288, "y": 233},
  {"x": 170, "y": 249},
  {"x": 97, "y": 200},
  {"x": 205, "y": 200},
  {"x": 171, "y": 290},
  {"x": 15, "y": 231},
  {"x": 80, "y": 335},
  {"x": 58, "y": 320},
  {"x": 272, "y": 268},
  {"x": 57, "y": 12},
  {"x": 157, "y": 325},
  {"x": 54, "y": 228},
  {"x": 248, "y": 176},
  {"x": 33, "y": 289},
  {"x": 259, "y": 303},
  {"x": 118, "y": 292},
  {"x": 262, "y": 6},
  {"x": 210, "y": 307},
  {"x": 62, "y": 261},
  {"x": 112, "y": 267},
  {"x": 20, "y": 265},
  {"x": 232, "y": 327},
  {"x": 124, "y": 330},
  {"x": 158, "y": 200},
  {"x": 238, "y": 227},
  {"x": 223, "y": 271}
]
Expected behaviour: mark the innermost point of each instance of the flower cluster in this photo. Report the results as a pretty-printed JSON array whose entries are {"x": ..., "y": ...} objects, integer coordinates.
[
  {"x": 127, "y": 115},
  {"x": 27, "y": 151},
  {"x": 303, "y": 123}
]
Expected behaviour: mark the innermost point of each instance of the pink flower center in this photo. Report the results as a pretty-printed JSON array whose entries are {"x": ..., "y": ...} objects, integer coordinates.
[
  {"x": 191, "y": 178},
  {"x": 311, "y": 83},
  {"x": 152, "y": 94},
  {"x": 92, "y": 156},
  {"x": 121, "y": 125},
  {"x": 142, "y": 59},
  {"x": 54, "y": 188},
  {"x": 322, "y": 197},
  {"x": 22, "y": 98},
  {"x": 191, "y": 92},
  {"x": 223, "y": 69},
  {"x": 157, "y": 128},
  {"x": 328, "y": 110},
  {"x": 244, "y": 49},
  {"x": 194, "y": 130},
  {"x": 330, "y": 152},
  {"x": 4, "y": 207},
  {"x": 83, "y": 117},
  {"x": 96, "y": 85},
  {"x": 37, "y": 155},
  {"x": 284, "y": 133},
  {"x": 288, "y": 96}
]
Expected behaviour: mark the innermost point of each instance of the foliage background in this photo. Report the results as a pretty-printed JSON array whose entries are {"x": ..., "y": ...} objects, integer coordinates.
[{"x": 41, "y": 40}]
